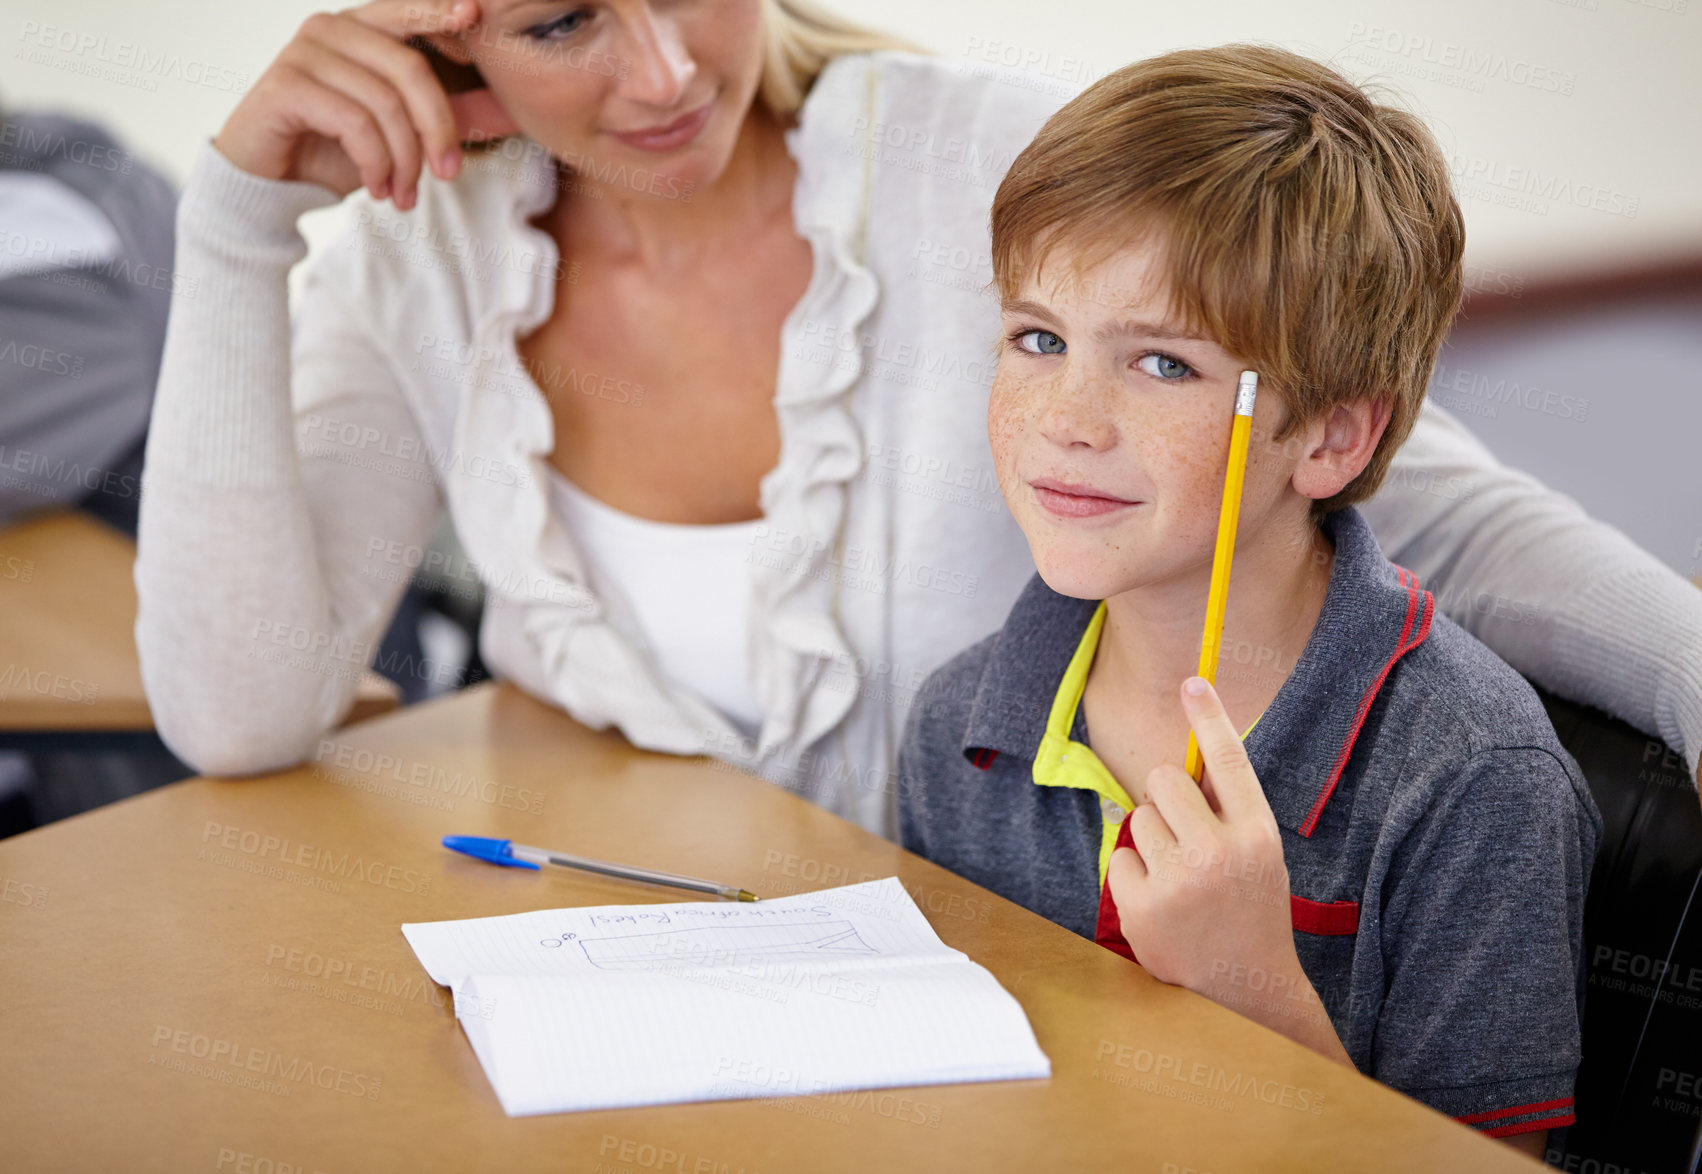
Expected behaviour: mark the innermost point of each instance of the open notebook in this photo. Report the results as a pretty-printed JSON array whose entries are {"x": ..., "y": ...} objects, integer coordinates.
[{"x": 620, "y": 1005}]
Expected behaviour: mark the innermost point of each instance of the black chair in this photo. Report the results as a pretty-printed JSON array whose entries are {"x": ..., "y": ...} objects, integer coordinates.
[
  {"x": 1639, "y": 1091},
  {"x": 402, "y": 657}
]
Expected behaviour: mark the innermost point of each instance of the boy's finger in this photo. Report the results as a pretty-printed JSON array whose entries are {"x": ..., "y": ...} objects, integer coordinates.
[
  {"x": 1151, "y": 835},
  {"x": 1210, "y": 792},
  {"x": 1182, "y": 804},
  {"x": 1125, "y": 869},
  {"x": 1225, "y": 758}
]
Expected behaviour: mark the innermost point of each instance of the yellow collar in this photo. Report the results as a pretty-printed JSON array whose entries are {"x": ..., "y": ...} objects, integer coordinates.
[{"x": 1061, "y": 762}]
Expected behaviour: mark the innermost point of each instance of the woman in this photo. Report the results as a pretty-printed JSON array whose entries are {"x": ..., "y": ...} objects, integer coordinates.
[{"x": 697, "y": 358}]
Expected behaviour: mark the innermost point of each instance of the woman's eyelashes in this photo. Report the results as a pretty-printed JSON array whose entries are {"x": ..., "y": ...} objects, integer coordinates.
[{"x": 562, "y": 26}]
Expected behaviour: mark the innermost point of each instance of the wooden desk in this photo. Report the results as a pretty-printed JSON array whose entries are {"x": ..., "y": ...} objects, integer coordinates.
[
  {"x": 121, "y": 928},
  {"x": 68, "y": 632}
]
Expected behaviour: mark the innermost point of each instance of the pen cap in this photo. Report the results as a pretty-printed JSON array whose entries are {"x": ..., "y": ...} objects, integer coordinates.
[{"x": 485, "y": 848}]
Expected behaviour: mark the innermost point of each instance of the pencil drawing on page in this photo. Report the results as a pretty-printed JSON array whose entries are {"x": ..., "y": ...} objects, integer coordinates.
[{"x": 726, "y": 944}]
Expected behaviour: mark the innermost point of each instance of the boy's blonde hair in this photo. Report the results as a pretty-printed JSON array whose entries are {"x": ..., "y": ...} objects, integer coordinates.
[{"x": 1305, "y": 229}]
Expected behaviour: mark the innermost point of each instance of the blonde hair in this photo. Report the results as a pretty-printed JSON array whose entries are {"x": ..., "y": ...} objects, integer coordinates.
[
  {"x": 1306, "y": 229},
  {"x": 799, "y": 38}
]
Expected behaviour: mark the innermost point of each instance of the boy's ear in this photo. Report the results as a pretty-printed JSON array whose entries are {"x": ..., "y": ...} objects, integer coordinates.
[{"x": 1340, "y": 446}]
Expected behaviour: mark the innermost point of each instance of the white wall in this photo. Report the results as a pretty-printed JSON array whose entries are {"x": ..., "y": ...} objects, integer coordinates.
[
  {"x": 1569, "y": 98},
  {"x": 1530, "y": 96}
]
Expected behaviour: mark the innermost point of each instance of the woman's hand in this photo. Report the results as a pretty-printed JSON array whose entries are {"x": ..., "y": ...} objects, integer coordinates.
[{"x": 348, "y": 104}]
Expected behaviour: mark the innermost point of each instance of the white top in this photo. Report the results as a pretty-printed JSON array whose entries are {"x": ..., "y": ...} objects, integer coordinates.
[
  {"x": 290, "y": 470},
  {"x": 687, "y": 589}
]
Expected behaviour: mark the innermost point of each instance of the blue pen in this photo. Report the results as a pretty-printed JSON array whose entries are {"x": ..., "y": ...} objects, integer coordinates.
[{"x": 512, "y": 855}]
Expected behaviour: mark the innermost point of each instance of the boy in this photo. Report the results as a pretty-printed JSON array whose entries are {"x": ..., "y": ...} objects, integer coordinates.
[{"x": 1389, "y": 864}]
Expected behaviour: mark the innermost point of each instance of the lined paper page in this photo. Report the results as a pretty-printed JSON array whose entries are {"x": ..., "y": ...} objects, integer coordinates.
[{"x": 848, "y": 988}]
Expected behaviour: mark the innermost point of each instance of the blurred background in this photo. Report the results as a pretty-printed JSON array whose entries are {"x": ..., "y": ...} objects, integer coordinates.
[{"x": 1572, "y": 126}]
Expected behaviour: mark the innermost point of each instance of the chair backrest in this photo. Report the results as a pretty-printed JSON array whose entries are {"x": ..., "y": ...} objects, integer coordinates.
[{"x": 1639, "y": 1091}]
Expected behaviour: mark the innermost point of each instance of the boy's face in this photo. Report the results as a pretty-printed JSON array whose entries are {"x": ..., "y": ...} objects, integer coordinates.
[{"x": 1110, "y": 430}]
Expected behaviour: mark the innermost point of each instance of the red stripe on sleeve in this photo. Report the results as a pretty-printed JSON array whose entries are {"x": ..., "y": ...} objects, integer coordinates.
[
  {"x": 1515, "y": 1111},
  {"x": 1552, "y": 1122}
]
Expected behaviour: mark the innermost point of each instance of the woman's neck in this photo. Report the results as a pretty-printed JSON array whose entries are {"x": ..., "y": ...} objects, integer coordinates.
[
  {"x": 1151, "y": 639},
  {"x": 662, "y": 232}
]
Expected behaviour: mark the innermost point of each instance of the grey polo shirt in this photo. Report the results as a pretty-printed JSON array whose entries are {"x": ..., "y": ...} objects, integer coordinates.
[{"x": 1437, "y": 837}]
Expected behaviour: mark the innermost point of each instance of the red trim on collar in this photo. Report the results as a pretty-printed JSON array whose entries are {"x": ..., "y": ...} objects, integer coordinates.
[
  {"x": 1418, "y": 600},
  {"x": 982, "y": 758}
]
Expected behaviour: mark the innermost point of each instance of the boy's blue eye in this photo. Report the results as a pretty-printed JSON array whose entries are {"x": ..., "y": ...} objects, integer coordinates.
[
  {"x": 559, "y": 27},
  {"x": 1040, "y": 342},
  {"x": 1166, "y": 367}
]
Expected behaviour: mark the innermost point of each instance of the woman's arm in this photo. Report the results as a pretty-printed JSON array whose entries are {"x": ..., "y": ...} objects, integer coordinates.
[
  {"x": 1567, "y": 600},
  {"x": 266, "y": 575}
]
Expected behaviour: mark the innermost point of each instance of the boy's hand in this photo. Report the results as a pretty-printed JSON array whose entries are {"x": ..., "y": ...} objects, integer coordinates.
[{"x": 1204, "y": 895}]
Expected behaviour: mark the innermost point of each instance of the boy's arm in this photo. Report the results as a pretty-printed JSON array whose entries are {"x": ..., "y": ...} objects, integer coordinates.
[
  {"x": 1482, "y": 936},
  {"x": 1567, "y": 600}
]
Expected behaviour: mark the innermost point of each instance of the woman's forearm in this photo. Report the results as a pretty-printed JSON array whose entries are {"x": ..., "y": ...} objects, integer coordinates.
[
  {"x": 1567, "y": 600},
  {"x": 254, "y": 621}
]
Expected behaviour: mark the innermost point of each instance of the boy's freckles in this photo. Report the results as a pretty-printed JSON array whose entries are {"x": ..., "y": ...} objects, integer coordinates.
[
  {"x": 1092, "y": 415},
  {"x": 1095, "y": 415}
]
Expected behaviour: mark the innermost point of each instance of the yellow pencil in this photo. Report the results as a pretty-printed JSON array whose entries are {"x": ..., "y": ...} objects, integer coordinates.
[{"x": 1246, "y": 390}]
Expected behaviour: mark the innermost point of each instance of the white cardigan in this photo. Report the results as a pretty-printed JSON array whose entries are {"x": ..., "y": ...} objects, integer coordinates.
[{"x": 295, "y": 469}]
